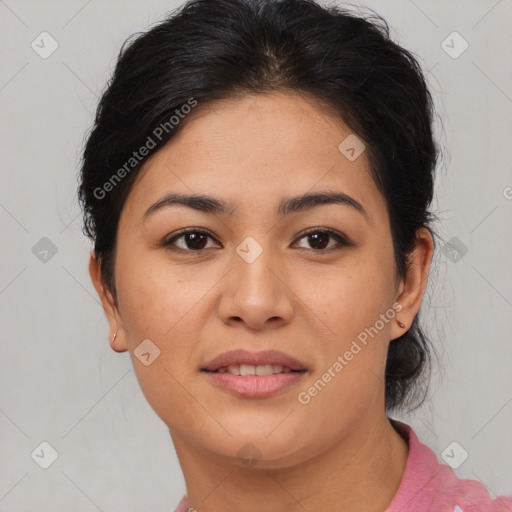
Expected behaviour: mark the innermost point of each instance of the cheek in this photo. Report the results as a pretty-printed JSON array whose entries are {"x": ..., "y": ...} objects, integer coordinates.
[
  {"x": 353, "y": 307},
  {"x": 348, "y": 380},
  {"x": 343, "y": 300},
  {"x": 158, "y": 298},
  {"x": 162, "y": 303}
]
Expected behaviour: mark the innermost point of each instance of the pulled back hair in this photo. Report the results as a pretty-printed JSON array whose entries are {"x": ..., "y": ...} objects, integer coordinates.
[{"x": 209, "y": 50}]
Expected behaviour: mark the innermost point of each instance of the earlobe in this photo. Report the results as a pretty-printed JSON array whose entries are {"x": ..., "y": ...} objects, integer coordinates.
[
  {"x": 117, "y": 337},
  {"x": 120, "y": 345}
]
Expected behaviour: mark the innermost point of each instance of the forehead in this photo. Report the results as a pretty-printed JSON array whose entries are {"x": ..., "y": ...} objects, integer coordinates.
[{"x": 255, "y": 151}]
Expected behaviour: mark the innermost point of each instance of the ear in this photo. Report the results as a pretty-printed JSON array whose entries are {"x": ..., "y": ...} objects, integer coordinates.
[
  {"x": 412, "y": 287},
  {"x": 109, "y": 306}
]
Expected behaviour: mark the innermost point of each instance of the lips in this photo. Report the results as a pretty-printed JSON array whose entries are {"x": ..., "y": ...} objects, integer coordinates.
[{"x": 246, "y": 359}]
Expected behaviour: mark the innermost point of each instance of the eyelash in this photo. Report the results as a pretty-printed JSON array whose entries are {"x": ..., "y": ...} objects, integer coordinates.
[{"x": 341, "y": 239}]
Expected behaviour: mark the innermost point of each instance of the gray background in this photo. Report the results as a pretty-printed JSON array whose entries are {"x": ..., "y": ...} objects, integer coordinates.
[{"x": 59, "y": 380}]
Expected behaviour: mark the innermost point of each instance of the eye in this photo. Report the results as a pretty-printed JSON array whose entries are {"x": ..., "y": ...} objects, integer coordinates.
[
  {"x": 319, "y": 239},
  {"x": 194, "y": 240}
]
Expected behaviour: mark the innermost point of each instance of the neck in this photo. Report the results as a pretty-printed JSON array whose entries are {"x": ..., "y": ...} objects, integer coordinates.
[{"x": 365, "y": 466}]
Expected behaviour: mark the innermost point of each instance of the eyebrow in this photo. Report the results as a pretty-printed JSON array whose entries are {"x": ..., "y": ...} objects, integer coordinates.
[{"x": 209, "y": 204}]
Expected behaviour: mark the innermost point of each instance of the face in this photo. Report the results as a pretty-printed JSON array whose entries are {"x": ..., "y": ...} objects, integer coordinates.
[{"x": 314, "y": 280}]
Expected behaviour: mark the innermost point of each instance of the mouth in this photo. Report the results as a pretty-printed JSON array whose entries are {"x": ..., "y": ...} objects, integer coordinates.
[
  {"x": 243, "y": 362},
  {"x": 254, "y": 375},
  {"x": 246, "y": 370}
]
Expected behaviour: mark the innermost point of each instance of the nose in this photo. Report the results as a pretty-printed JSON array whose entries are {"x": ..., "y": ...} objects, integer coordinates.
[{"x": 257, "y": 293}]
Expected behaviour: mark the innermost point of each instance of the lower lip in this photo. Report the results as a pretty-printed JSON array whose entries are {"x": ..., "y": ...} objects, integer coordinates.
[{"x": 255, "y": 386}]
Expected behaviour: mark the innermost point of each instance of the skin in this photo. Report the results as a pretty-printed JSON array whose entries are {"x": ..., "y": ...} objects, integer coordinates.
[{"x": 338, "y": 451}]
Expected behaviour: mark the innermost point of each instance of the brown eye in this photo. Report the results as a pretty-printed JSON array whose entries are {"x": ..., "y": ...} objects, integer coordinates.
[
  {"x": 196, "y": 240},
  {"x": 318, "y": 239},
  {"x": 193, "y": 240}
]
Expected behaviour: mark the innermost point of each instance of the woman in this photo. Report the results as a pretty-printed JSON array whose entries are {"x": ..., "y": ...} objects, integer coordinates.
[{"x": 257, "y": 186}]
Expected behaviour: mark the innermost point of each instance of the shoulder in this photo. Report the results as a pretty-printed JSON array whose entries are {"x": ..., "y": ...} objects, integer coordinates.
[{"x": 429, "y": 486}]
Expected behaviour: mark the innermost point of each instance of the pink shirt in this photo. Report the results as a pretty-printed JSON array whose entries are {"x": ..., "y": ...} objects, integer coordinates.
[{"x": 428, "y": 486}]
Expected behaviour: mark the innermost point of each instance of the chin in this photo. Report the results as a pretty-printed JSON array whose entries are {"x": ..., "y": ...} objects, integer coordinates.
[{"x": 262, "y": 448}]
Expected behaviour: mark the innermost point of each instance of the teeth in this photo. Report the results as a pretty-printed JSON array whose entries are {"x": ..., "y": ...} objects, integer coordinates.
[
  {"x": 250, "y": 369},
  {"x": 235, "y": 370},
  {"x": 266, "y": 369}
]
